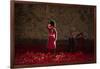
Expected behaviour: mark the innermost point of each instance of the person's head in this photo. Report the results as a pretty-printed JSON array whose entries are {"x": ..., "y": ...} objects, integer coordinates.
[{"x": 51, "y": 24}]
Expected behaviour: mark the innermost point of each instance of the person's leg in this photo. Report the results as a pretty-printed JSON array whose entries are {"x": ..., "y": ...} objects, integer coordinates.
[{"x": 54, "y": 51}]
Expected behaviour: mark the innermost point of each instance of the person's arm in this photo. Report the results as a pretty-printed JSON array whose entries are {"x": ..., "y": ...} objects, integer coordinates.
[{"x": 55, "y": 34}]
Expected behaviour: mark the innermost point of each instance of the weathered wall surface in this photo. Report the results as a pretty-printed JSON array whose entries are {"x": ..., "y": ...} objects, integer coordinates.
[{"x": 31, "y": 20}]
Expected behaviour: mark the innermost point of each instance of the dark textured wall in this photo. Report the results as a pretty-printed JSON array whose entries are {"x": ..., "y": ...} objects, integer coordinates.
[{"x": 31, "y": 20}]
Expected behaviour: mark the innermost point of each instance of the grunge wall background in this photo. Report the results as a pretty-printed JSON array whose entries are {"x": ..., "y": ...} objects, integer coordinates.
[{"x": 31, "y": 20}]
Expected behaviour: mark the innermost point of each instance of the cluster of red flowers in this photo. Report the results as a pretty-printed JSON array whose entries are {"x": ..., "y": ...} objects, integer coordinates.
[{"x": 48, "y": 58}]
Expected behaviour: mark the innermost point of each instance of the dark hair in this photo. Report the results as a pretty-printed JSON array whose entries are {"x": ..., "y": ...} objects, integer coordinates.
[{"x": 52, "y": 22}]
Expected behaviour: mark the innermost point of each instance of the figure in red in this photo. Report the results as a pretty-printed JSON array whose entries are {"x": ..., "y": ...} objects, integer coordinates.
[{"x": 52, "y": 36}]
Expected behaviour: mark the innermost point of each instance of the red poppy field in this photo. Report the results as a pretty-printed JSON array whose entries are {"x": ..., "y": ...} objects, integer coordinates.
[
  {"x": 38, "y": 54},
  {"x": 29, "y": 58}
]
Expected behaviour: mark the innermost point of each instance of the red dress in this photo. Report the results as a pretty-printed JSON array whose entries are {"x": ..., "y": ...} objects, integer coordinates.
[{"x": 52, "y": 38}]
